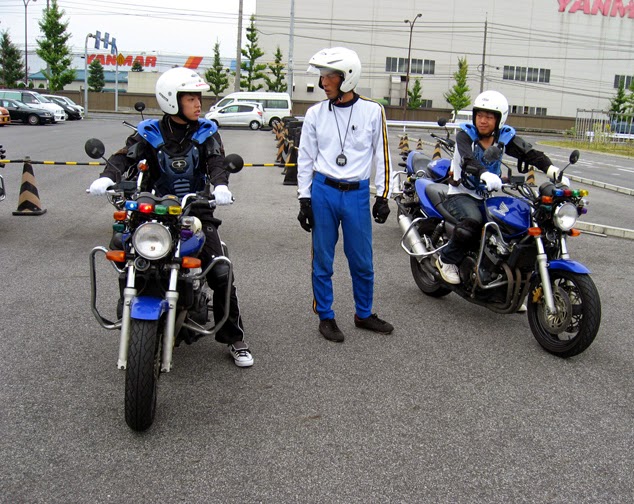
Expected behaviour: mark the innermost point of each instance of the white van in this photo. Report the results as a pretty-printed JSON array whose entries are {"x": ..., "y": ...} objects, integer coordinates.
[{"x": 275, "y": 105}]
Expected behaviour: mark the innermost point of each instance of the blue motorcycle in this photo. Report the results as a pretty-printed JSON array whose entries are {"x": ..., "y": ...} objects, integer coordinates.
[
  {"x": 165, "y": 298},
  {"x": 520, "y": 257}
]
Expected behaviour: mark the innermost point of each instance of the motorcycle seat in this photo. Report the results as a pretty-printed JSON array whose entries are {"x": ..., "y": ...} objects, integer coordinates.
[{"x": 437, "y": 194}]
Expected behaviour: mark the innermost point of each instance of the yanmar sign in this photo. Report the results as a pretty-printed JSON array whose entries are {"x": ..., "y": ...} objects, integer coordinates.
[
  {"x": 611, "y": 8},
  {"x": 146, "y": 61}
]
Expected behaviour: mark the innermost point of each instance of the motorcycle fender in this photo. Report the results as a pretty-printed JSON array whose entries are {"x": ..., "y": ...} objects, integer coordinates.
[
  {"x": 568, "y": 265},
  {"x": 148, "y": 308}
]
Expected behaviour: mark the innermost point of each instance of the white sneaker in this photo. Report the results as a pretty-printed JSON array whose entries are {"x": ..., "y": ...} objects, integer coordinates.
[
  {"x": 241, "y": 354},
  {"x": 449, "y": 272},
  {"x": 522, "y": 308}
]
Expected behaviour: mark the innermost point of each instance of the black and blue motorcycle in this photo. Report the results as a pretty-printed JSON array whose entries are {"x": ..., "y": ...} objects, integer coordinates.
[{"x": 521, "y": 257}]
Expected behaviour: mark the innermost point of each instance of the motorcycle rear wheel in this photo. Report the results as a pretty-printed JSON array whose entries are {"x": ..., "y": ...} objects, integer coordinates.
[
  {"x": 426, "y": 281},
  {"x": 579, "y": 308},
  {"x": 142, "y": 374}
]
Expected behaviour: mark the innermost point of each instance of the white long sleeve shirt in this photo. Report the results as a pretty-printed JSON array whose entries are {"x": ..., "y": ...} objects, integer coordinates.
[{"x": 362, "y": 130}]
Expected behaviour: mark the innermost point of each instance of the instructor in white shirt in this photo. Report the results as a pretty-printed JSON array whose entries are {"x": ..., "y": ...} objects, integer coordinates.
[{"x": 344, "y": 140}]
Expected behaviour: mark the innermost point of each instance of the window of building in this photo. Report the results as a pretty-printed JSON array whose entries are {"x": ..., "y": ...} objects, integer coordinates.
[
  {"x": 625, "y": 79},
  {"x": 526, "y": 74},
  {"x": 417, "y": 66},
  {"x": 527, "y": 110}
]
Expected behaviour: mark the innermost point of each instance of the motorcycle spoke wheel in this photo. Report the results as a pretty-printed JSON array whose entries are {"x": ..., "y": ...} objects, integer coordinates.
[
  {"x": 142, "y": 374},
  {"x": 575, "y": 325},
  {"x": 426, "y": 281}
]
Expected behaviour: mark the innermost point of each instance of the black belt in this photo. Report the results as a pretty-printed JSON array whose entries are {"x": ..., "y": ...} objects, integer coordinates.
[{"x": 342, "y": 186}]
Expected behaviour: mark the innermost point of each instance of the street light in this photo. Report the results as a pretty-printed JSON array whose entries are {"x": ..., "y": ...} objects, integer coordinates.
[
  {"x": 409, "y": 53},
  {"x": 26, "y": 50}
]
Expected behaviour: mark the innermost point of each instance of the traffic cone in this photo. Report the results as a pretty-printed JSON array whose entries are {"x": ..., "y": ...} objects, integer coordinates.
[
  {"x": 404, "y": 145},
  {"x": 437, "y": 153},
  {"x": 29, "y": 201},
  {"x": 530, "y": 177},
  {"x": 419, "y": 144}
]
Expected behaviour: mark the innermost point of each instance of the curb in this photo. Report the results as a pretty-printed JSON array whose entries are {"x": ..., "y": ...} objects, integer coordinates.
[
  {"x": 602, "y": 185},
  {"x": 602, "y": 229}
]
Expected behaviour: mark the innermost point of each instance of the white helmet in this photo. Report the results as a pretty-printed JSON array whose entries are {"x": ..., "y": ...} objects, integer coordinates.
[
  {"x": 174, "y": 81},
  {"x": 492, "y": 101},
  {"x": 341, "y": 60}
]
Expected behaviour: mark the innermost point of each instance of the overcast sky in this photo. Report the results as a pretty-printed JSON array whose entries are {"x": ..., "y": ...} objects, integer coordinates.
[{"x": 188, "y": 27}]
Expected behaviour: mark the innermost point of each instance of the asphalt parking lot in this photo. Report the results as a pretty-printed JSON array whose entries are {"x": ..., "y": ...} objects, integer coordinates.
[{"x": 459, "y": 405}]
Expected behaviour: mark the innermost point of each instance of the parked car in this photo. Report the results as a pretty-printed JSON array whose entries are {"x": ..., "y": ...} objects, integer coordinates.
[
  {"x": 26, "y": 113},
  {"x": 36, "y": 100},
  {"x": 5, "y": 118},
  {"x": 274, "y": 105},
  {"x": 76, "y": 112},
  {"x": 244, "y": 114}
]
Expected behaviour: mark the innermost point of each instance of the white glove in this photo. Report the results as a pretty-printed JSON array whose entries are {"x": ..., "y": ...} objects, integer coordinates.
[
  {"x": 492, "y": 181},
  {"x": 223, "y": 195},
  {"x": 99, "y": 186},
  {"x": 553, "y": 172}
]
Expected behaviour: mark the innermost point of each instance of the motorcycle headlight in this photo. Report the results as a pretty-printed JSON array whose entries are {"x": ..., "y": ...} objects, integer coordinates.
[
  {"x": 565, "y": 216},
  {"x": 152, "y": 240}
]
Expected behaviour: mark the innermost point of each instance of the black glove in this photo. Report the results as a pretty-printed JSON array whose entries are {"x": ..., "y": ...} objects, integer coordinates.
[
  {"x": 380, "y": 210},
  {"x": 305, "y": 216}
]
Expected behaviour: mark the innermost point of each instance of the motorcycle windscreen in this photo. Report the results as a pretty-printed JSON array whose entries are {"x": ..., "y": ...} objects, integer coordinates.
[{"x": 512, "y": 215}]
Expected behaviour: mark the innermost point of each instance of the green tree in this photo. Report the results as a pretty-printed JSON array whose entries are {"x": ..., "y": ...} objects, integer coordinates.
[
  {"x": 276, "y": 83},
  {"x": 54, "y": 48},
  {"x": 216, "y": 76},
  {"x": 619, "y": 103},
  {"x": 630, "y": 98},
  {"x": 11, "y": 64},
  {"x": 458, "y": 97},
  {"x": 96, "y": 80},
  {"x": 415, "y": 95},
  {"x": 252, "y": 53},
  {"x": 136, "y": 66}
]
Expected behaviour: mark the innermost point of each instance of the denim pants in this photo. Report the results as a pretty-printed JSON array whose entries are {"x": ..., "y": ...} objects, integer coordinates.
[{"x": 461, "y": 206}]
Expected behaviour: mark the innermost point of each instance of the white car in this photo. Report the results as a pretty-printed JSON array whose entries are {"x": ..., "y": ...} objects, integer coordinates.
[
  {"x": 65, "y": 101},
  {"x": 243, "y": 114}
]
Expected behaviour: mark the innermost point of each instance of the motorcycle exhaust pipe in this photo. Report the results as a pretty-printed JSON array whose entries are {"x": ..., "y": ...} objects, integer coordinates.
[{"x": 411, "y": 241}]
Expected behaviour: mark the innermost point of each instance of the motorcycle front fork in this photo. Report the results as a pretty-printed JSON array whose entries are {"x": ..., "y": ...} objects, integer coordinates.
[{"x": 542, "y": 268}]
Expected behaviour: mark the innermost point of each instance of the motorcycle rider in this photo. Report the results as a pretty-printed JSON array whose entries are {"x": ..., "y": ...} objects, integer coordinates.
[
  {"x": 187, "y": 137},
  {"x": 470, "y": 168},
  {"x": 343, "y": 139}
]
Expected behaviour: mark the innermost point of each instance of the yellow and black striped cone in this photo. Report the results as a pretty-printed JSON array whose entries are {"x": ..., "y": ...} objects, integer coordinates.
[
  {"x": 530, "y": 177},
  {"x": 437, "y": 153},
  {"x": 419, "y": 144},
  {"x": 29, "y": 201}
]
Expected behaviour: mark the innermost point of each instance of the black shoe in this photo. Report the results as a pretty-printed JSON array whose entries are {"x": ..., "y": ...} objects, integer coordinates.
[
  {"x": 374, "y": 323},
  {"x": 329, "y": 330}
]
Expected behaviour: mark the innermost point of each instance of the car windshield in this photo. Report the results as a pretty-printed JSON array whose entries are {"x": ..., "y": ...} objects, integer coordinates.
[{"x": 41, "y": 99}]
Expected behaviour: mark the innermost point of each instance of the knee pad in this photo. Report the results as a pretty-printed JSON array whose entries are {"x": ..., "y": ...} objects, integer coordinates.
[
  {"x": 467, "y": 231},
  {"x": 218, "y": 276}
]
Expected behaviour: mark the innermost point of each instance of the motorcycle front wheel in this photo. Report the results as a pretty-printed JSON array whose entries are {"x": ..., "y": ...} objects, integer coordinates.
[
  {"x": 425, "y": 280},
  {"x": 142, "y": 374},
  {"x": 575, "y": 325}
]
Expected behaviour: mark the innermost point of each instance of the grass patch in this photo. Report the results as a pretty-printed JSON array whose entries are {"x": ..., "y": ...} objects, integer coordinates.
[{"x": 622, "y": 149}]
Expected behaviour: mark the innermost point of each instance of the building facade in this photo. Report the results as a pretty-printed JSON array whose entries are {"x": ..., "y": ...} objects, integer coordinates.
[{"x": 549, "y": 57}]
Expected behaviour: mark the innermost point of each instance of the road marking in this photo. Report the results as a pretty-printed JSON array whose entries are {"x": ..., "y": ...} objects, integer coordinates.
[{"x": 625, "y": 169}]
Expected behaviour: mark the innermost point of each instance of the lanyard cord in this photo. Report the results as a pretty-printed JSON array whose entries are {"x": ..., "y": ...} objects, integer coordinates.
[{"x": 347, "y": 127}]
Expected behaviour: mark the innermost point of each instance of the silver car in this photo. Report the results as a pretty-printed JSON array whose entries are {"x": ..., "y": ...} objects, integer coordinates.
[{"x": 243, "y": 114}]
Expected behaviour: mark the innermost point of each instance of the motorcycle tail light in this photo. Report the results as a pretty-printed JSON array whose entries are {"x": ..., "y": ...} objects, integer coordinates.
[
  {"x": 116, "y": 255},
  {"x": 131, "y": 205},
  {"x": 160, "y": 210},
  {"x": 146, "y": 208},
  {"x": 583, "y": 193},
  {"x": 558, "y": 193},
  {"x": 120, "y": 215},
  {"x": 174, "y": 210},
  {"x": 567, "y": 193},
  {"x": 534, "y": 231},
  {"x": 191, "y": 262}
]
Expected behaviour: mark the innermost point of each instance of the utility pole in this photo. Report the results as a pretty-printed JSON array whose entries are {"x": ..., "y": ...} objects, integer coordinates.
[
  {"x": 409, "y": 59},
  {"x": 236, "y": 86},
  {"x": 291, "y": 42},
  {"x": 484, "y": 50}
]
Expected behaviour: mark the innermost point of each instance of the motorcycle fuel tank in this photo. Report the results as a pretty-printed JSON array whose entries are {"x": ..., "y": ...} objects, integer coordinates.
[{"x": 513, "y": 215}]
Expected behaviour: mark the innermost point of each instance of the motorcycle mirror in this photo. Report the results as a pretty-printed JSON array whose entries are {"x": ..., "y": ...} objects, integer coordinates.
[
  {"x": 493, "y": 153},
  {"x": 574, "y": 156},
  {"x": 233, "y": 163},
  {"x": 442, "y": 121},
  {"x": 95, "y": 148},
  {"x": 139, "y": 106}
]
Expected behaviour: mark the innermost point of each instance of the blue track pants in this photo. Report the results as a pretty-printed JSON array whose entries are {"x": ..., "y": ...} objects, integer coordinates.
[{"x": 350, "y": 210}]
